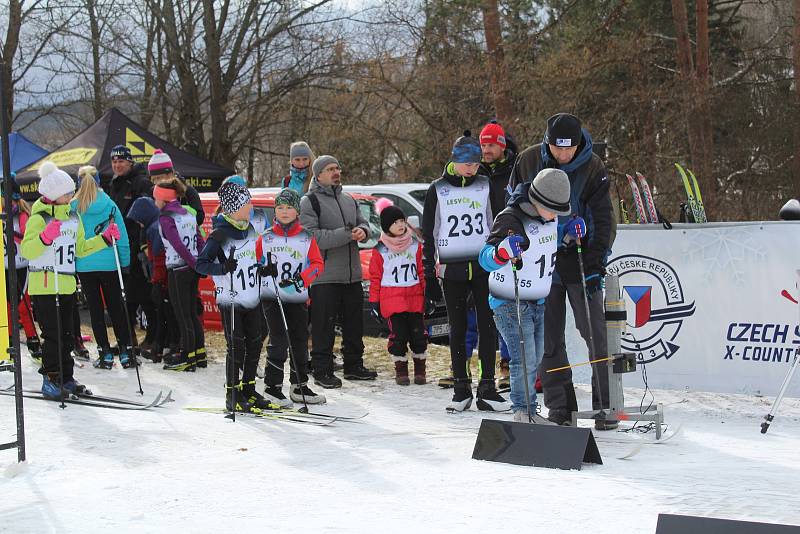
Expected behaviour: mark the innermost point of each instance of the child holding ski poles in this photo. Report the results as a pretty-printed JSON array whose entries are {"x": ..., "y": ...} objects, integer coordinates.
[
  {"x": 291, "y": 261},
  {"x": 98, "y": 272},
  {"x": 54, "y": 237},
  {"x": 456, "y": 219},
  {"x": 520, "y": 254},
  {"x": 21, "y": 211},
  {"x": 181, "y": 237},
  {"x": 397, "y": 292},
  {"x": 145, "y": 213},
  {"x": 230, "y": 257}
]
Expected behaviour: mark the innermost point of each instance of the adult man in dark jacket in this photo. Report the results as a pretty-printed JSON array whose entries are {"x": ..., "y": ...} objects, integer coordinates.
[
  {"x": 334, "y": 219},
  {"x": 568, "y": 147},
  {"x": 130, "y": 182}
]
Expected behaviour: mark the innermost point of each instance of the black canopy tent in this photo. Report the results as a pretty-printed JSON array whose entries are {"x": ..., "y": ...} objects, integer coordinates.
[{"x": 93, "y": 145}]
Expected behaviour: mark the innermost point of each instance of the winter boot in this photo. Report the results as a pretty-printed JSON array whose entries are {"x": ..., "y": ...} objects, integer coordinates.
[
  {"x": 105, "y": 360},
  {"x": 489, "y": 400},
  {"x": 462, "y": 396},
  {"x": 51, "y": 388},
  {"x": 606, "y": 424},
  {"x": 255, "y": 398},
  {"x": 419, "y": 369},
  {"x": 504, "y": 381},
  {"x": 401, "y": 373},
  {"x": 298, "y": 392},
  {"x": 560, "y": 417},
  {"x": 34, "y": 346},
  {"x": 359, "y": 372},
  {"x": 180, "y": 362},
  {"x": 125, "y": 360},
  {"x": 327, "y": 380},
  {"x": 76, "y": 388},
  {"x": 242, "y": 404},
  {"x": 274, "y": 395},
  {"x": 80, "y": 351},
  {"x": 201, "y": 358}
]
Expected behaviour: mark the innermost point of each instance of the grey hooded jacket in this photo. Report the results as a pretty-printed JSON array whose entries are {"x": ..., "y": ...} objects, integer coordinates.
[{"x": 338, "y": 215}]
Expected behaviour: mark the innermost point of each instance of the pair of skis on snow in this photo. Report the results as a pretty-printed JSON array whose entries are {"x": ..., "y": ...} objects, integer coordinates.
[
  {"x": 288, "y": 414},
  {"x": 87, "y": 398},
  {"x": 643, "y": 202},
  {"x": 693, "y": 210}
]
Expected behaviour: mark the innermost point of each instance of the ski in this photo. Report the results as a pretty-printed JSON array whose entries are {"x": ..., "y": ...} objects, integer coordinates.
[
  {"x": 84, "y": 401},
  {"x": 102, "y": 398},
  {"x": 694, "y": 210},
  {"x": 292, "y": 417},
  {"x": 647, "y": 194},
  {"x": 698, "y": 197},
  {"x": 340, "y": 417},
  {"x": 641, "y": 214}
]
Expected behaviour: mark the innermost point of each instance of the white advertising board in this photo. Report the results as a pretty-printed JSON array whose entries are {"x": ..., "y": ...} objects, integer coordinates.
[{"x": 710, "y": 307}]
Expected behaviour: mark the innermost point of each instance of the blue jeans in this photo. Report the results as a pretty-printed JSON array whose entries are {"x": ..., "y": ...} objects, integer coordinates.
[{"x": 533, "y": 331}]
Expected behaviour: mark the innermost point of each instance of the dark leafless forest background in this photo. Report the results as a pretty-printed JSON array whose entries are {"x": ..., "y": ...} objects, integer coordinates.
[{"x": 387, "y": 86}]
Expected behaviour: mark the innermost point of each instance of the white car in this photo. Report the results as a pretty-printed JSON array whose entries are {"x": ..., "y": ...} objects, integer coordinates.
[{"x": 408, "y": 197}]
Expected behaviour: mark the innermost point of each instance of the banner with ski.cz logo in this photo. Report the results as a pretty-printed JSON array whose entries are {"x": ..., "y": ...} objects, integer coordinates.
[{"x": 710, "y": 307}]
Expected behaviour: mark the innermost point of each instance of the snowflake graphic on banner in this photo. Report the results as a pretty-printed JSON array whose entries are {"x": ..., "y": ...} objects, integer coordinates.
[{"x": 726, "y": 250}]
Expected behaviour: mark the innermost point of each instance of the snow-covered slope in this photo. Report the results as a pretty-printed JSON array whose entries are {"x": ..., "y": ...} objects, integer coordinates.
[{"x": 406, "y": 467}]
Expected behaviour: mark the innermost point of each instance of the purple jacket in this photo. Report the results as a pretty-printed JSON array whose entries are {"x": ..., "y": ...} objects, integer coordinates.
[{"x": 170, "y": 231}]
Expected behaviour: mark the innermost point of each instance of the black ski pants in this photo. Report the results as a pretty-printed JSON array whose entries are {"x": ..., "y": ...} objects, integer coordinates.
[
  {"x": 557, "y": 387},
  {"x": 98, "y": 286},
  {"x": 279, "y": 342},
  {"x": 183, "y": 296},
  {"x": 244, "y": 335},
  {"x": 406, "y": 330},
  {"x": 456, "y": 293},
  {"x": 329, "y": 301},
  {"x": 47, "y": 314}
]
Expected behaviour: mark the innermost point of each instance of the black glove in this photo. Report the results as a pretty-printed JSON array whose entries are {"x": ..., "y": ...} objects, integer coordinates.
[
  {"x": 433, "y": 291},
  {"x": 430, "y": 307},
  {"x": 295, "y": 282},
  {"x": 375, "y": 309},
  {"x": 594, "y": 283},
  {"x": 230, "y": 265},
  {"x": 268, "y": 270}
]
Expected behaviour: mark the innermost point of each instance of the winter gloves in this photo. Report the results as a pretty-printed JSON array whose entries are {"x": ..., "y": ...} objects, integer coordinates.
[
  {"x": 111, "y": 234},
  {"x": 269, "y": 269},
  {"x": 294, "y": 283},
  {"x": 510, "y": 247},
  {"x": 50, "y": 232},
  {"x": 433, "y": 291},
  {"x": 575, "y": 228},
  {"x": 230, "y": 265}
]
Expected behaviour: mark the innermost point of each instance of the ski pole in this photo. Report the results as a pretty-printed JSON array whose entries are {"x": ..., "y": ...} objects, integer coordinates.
[
  {"x": 233, "y": 369},
  {"x": 125, "y": 307},
  {"x": 771, "y": 415},
  {"x": 60, "y": 344},
  {"x": 304, "y": 409},
  {"x": 521, "y": 338},
  {"x": 595, "y": 376}
]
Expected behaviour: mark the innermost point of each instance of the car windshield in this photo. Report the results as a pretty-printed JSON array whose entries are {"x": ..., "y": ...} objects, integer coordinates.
[
  {"x": 367, "y": 208},
  {"x": 419, "y": 195}
]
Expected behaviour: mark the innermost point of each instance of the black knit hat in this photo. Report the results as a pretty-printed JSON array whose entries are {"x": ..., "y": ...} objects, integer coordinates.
[
  {"x": 563, "y": 130},
  {"x": 389, "y": 215}
]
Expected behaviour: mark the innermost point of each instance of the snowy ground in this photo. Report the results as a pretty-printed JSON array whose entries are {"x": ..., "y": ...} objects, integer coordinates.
[{"x": 406, "y": 467}]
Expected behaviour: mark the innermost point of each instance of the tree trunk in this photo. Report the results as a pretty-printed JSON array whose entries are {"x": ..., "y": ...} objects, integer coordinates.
[
  {"x": 97, "y": 79},
  {"x": 220, "y": 141},
  {"x": 504, "y": 109},
  {"x": 9, "y": 51},
  {"x": 704, "y": 166}
]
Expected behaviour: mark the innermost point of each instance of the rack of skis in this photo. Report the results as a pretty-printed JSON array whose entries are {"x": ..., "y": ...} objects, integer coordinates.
[{"x": 691, "y": 211}]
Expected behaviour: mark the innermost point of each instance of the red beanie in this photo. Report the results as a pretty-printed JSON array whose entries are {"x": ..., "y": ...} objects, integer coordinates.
[{"x": 493, "y": 133}]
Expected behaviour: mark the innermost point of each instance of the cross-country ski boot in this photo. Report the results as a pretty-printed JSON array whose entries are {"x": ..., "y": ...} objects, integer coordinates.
[
  {"x": 298, "y": 392},
  {"x": 180, "y": 362},
  {"x": 51, "y": 388},
  {"x": 80, "y": 352},
  {"x": 105, "y": 360},
  {"x": 489, "y": 400},
  {"x": 462, "y": 396},
  {"x": 242, "y": 404},
  {"x": 76, "y": 388},
  {"x": 275, "y": 396}
]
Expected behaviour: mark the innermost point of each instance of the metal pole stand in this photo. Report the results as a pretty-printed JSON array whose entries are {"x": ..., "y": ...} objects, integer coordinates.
[
  {"x": 616, "y": 365},
  {"x": 786, "y": 381}
]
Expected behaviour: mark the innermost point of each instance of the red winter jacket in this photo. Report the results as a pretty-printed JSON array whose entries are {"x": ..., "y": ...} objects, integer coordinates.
[
  {"x": 396, "y": 299},
  {"x": 315, "y": 262}
]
